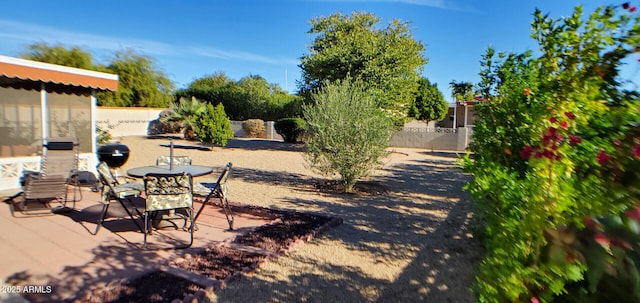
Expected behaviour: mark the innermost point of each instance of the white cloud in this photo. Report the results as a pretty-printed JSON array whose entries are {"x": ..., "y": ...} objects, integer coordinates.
[
  {"x": 241, "y": 55},
  {"x": 33, "y": 33},
  {"x": 26, "y": 33}
]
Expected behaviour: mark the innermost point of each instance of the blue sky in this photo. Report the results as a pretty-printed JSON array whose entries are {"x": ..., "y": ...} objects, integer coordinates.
[{"x": 194, "y": 38}]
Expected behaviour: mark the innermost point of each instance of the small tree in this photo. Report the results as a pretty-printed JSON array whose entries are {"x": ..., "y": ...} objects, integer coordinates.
[
  {"x": 348, "y": 132},
  {"x": 213, "y": 126}
]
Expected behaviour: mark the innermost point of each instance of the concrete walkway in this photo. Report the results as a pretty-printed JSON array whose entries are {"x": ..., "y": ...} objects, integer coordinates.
[{"x": 57, "y": 255}]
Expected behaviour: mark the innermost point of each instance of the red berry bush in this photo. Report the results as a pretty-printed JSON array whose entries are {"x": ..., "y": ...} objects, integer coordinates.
[{"x": 556, "y": 164}]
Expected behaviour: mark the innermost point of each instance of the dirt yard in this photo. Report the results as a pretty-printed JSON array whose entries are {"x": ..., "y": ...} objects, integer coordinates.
[{"x": 406, "y": 236}]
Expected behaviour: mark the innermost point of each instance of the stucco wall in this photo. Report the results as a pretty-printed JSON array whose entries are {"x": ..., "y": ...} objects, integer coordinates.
[
  {"x": 135, "y": 122},
  {"x": 432, "y": 138},
  {"x": 129, "y": 121}
]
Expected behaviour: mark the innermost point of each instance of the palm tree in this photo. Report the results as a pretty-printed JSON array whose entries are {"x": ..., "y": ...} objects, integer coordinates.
[
  {"x": 461, "y": 91},
  {"x": 185, "y": 111}
]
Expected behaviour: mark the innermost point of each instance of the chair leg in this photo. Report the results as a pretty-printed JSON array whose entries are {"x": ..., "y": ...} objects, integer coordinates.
[
  {"x": 12, "y": 203},
  {"x": 190, "y": 212},
  {"x": 72, "y": 181},
  {"x": 191, "y": 219},
  {"x": 130, "y": 213},
  {"x": 66, "y": 193},
  {"x": 12, "y": 208},
  {"x": 146, "y": 229},
  {"x": 103, "y": 214},
  {"x": 206, "y": 200},
  {"x": 227, "y": 211}
]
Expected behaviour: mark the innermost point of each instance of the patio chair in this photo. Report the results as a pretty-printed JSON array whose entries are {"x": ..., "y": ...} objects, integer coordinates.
[
  {"x": 43, "y": 189},
  {"x": 59, "y": 161},
  {"x": 177, "y": 160},
  {"x": 219, "y": 190},
  {"x": 113, "y": 191},
  {"x": 168, "y": 192}
]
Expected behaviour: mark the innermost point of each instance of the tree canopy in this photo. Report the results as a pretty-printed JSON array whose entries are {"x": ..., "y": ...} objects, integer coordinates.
[
  {"x": 58, "y": 54},
  {"x": 251, "y": 97},
  {"x": 387, "y": 60},
  {"x": 429, "y": 104},
  {"x": 141, "y": 82},
  {"x": 461, "y": 91}
]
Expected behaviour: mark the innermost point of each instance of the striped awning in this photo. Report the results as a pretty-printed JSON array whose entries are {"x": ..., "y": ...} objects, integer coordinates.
[{"x": 16, "y": 68}]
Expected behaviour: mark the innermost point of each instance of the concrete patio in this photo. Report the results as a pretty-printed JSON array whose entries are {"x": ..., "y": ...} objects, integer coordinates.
[{"x": 60, "y": 252}]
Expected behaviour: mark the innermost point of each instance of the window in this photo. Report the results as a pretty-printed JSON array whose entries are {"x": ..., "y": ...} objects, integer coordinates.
[
  {"x": 20, "y": 122},
  {"x": 70, "y": 116}
]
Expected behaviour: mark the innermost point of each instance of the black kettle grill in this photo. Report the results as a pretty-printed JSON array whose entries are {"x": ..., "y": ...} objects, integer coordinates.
[{"x": 114, "y": 155}]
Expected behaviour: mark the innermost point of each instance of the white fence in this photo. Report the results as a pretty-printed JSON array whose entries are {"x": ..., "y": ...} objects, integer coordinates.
[
  {"x": 432, "y": 138},
  {"x": 135, "y": 122},
  {"x": 126, "y": 121}
]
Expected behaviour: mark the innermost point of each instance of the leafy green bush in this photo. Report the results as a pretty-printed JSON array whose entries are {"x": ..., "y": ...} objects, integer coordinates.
[
  {"x": 556, "y": 148},
  {"x": 348, "y": 133},
  {"x": 251, "y": 97},
  {"x": 290, "y": 128},
  {"x": 183, "y": 112},
  {"x": 212, "y": 125},
  {"x": 254, "y": 128}
]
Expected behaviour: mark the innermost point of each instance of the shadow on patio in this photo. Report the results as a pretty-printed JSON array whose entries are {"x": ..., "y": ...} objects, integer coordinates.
[{"x": 60, "y": 251}]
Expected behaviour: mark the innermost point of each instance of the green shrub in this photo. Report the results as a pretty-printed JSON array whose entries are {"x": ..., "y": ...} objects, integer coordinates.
[
  {"x": 290, "y": 128},
  {"x": 254, "y": 128},
  {"x": 348, "y": 133},
  {"x": 556, "y": 170},
  {"x": 213, "y": 126}
]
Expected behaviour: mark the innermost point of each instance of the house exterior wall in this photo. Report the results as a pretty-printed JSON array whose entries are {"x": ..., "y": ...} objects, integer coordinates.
[
  {"x": 25, "y": 115},
  {"x": 40, "y": 100}
]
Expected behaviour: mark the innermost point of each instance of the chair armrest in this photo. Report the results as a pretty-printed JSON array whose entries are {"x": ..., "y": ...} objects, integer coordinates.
[
  {"x": 29, "y": 175},
  {"x": 128, "y": 179}
]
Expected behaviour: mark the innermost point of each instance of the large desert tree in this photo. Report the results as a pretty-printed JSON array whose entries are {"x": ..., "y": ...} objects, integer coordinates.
[
  {"x": 141, "y": 82},
  {"x": 387, "y": 59},
  {"x": 60, "y": 55}
]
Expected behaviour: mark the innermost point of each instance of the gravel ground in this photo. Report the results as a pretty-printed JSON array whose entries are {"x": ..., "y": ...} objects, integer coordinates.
[{"x": 409, "y": 242}]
